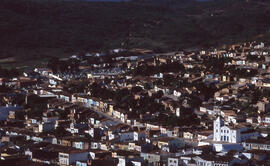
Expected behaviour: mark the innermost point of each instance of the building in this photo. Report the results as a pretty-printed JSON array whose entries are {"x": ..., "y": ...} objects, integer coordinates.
[
  {"x": 168, "y": 142},
  {"x": 69, "y": 157},
  {"x": 256, "y": 144},
  {"x": 152, "y": 158},
  {"x": 232, "y": 134},
  {"x": 214, "y": 160},
  {"x": 174, "y": 161},
  {"x": 132, "y": 136}
]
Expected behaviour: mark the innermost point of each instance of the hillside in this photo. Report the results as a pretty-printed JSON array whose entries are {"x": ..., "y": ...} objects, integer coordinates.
[{"x": 33, "y": 30}]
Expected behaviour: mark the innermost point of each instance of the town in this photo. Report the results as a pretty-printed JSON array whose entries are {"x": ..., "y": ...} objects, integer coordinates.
[{"x": 207, "y": 107}]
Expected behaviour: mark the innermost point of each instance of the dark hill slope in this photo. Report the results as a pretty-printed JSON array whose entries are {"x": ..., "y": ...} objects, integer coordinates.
[{"x": 38, "y": 28}]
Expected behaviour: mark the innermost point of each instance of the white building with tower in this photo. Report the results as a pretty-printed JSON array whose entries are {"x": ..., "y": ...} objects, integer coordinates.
[{"x": 232, "y": 133}]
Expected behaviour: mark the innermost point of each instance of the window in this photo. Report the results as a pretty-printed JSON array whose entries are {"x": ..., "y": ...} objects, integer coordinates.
[{"x": 222, "y": 131}]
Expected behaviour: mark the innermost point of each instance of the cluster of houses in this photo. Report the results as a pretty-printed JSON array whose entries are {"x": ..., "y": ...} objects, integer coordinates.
[{"x": 206, "y": 107}]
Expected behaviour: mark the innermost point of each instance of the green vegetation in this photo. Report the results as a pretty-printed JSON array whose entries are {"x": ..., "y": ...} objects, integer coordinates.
[{"x": 32, "y": 30}]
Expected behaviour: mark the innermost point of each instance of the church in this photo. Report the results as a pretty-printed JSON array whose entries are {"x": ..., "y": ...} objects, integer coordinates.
[{"x": 232, "y": 133}]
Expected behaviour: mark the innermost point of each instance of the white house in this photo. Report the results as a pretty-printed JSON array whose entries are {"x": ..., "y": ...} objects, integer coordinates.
[
  {"x": 43, "y": 127},
  {"x": 152, "y": 158},
  {"x": 204, "y": 160},
  {"x": 68, "y": 158},
  {"x": 129, "y": 136},
  {"x": 173, "y": 161},
  {"x": 257, "y": 144},
  {"x": 176, "y": 93},
  {"x": 121, "y": 162},
  {"x": 132, "y": 136}
]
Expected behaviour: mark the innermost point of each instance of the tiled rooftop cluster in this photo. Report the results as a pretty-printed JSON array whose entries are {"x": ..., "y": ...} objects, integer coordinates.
[{"x": 121, "y": 108}]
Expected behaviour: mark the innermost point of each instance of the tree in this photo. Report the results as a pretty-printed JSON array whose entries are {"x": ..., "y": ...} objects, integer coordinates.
[
  {"x": 19, "y": 115},
  {"x": 136, "y": 89},
  {"x": 4, "y": 89},
  {"x": 160, "y": 94},
  {"x": 61, "y": 132},
  {"x": 53, "y": 64},
  {"x": 9, "y": 73}
]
